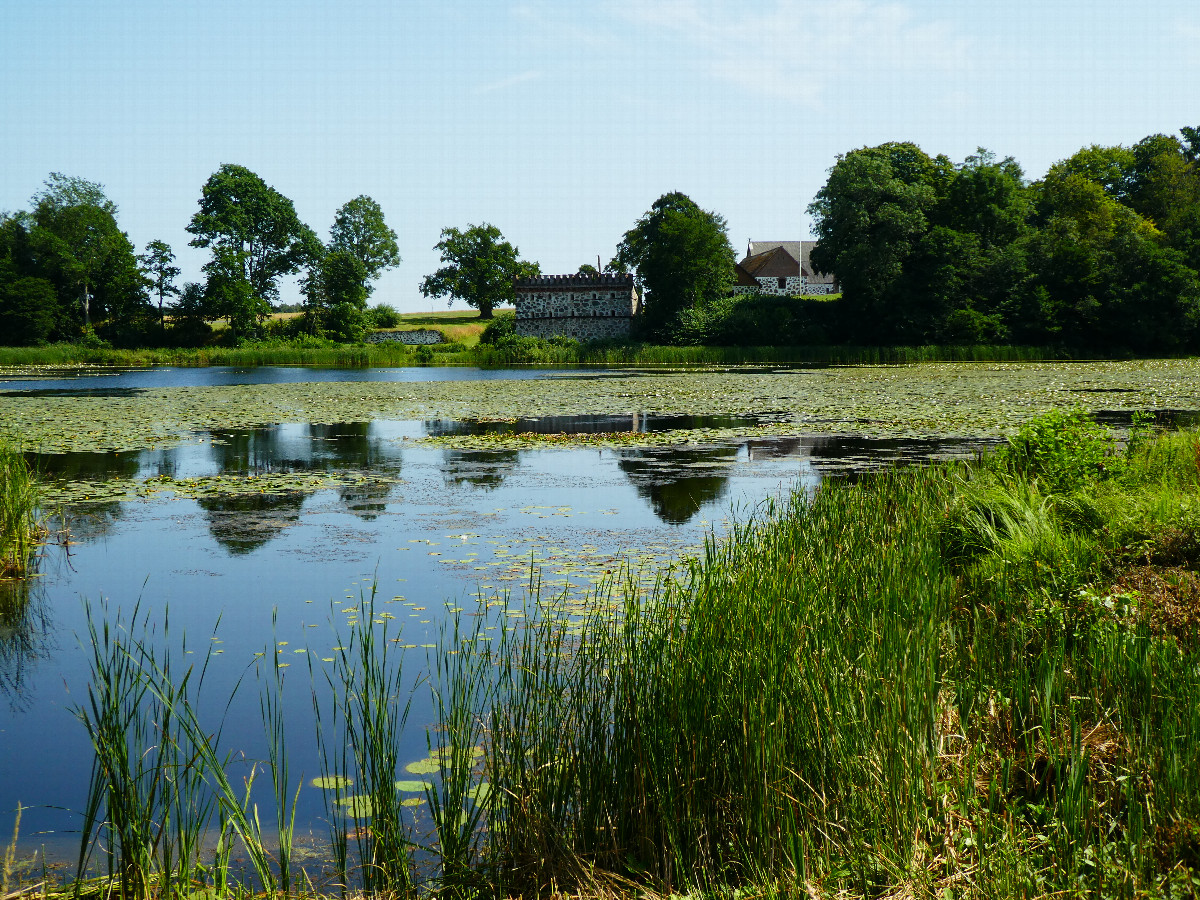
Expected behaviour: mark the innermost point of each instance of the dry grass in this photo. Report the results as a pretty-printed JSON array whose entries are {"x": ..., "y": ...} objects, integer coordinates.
[
  {"x": 463, "y": 327},
  {"x": 1166, "y": 599}
]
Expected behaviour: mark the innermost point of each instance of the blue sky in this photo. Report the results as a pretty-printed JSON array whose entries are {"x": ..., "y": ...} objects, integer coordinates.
[{"x": 560, "y": 122}]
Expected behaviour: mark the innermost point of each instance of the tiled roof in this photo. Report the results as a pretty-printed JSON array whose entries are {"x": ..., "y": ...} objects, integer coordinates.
[
  {"x": 773, "y": 263},
  {"x": 742, "y": 277},
  {"x": 800, "y": 251}
]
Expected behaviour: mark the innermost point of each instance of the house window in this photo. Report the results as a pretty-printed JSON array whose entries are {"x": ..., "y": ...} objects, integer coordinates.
[{"x": 782, "y": 283}]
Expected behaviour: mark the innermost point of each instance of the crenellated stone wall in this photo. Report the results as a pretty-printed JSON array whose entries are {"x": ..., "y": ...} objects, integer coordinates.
[{"x": 584, "y": 307}]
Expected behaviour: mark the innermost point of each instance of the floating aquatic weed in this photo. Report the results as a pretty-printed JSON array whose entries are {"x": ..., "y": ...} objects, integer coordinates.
[{"x": 942, "y": 398}]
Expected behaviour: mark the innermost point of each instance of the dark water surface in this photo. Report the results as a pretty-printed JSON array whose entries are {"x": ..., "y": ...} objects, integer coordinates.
[
  {"x": 118, "y": 380},
  {"x": 433, "y": 528}
]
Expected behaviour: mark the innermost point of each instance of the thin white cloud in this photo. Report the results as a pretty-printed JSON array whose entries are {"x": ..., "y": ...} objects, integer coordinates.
[
  {"x": 512, "y": 81},
  {"x": 795, "y": 49}
]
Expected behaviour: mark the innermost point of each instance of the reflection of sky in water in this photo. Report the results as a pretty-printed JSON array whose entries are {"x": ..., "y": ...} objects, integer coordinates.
[{"x": 434, "y": 525}]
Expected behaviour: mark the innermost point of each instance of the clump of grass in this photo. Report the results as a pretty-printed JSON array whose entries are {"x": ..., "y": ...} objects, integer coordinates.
[
  {"x": 159, "y": 782},
  {"x": 904, "y": 685},
  {"x": 20, "y": 529},
  {"x": 359, "y": 738},
  {"x": 147, "y": 808}
]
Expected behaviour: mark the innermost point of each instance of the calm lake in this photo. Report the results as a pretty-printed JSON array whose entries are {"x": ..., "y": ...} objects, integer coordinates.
[{"x": 223, "y": 530}]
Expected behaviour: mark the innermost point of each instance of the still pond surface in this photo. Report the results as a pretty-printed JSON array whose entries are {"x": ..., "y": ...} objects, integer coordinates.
[{"x": 431, "y": 529}]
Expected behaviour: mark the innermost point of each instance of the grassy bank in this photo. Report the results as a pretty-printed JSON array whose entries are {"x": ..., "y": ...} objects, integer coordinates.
[
  {"x": 525, "y": 352},
  {"x": 268, "y": 353},
  {"x": 964, "y": 680},
  {"x": 542, "y": 353},
  {"x": 19, "y": 529},
  {"x": 982, "y": 682}
]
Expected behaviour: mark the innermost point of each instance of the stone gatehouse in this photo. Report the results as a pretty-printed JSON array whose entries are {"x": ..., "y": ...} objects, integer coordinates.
[{"x": 584, "y": 307}]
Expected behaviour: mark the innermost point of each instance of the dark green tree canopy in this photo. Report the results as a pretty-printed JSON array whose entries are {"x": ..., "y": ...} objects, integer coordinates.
[
  {"x": 359, "y": 229},
  {"x": 478, "y": 267},
  {"x": 869, "y": 216},
  {"x": 250, "y": 223},
  {"x": 681, "y": 255},
  {"x": 77, "y": 238},
  {"x": 158, "y": 262}
]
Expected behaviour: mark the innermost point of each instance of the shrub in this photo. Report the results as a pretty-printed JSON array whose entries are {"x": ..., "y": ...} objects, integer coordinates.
[
  {"x": 383, "y": 316},
  {"x": 499, "y": 329},
  {"x": 1063, "y": 449},
  {"x": 346, "y": 322}
]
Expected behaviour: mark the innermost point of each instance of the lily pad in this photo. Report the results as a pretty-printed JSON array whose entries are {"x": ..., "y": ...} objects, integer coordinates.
[
  {"x": 426, "y": 766},
  {"x": 331, "y": 782},
  {"x": 358, "y": 806}
]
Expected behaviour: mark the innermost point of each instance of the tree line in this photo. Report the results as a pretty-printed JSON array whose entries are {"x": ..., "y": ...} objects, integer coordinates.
[
  {"x": 69, "y": 273},
  {"x": 1103, "y": 254}
]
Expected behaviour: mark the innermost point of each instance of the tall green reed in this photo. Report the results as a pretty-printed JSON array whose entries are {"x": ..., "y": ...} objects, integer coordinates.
[
  {"x": 835, "y": 693},
  {"x": 271, "y": 706},
  {"x": 147, "y": 807},
  {"x": 359, "y": 735},
  {"x": 19, "y": 500},
  {"x": 160, "y": 782}
]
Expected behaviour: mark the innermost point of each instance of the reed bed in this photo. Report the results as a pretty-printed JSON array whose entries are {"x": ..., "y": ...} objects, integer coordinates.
[
  {"x": 268, "y": 354},
  {"x": 914, "y": 684},
  {"x": 966, "y": 680},
  {"x": 20, "y": 528},
  {"x": 545, "y": 353}
]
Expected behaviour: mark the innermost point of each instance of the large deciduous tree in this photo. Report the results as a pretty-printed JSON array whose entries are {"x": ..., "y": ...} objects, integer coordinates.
[
  {"x": 869, "y": 217},
  {"x": 158, "y": 262},
  {"x": 338, "y": 279},
  {"x": 682, "y": 258},
  {"x": 77, "y": 235},
  {"x": 254, "y": 232},
  {"x": 360, "y": 230},
  {"x": 478, "y": 267}
]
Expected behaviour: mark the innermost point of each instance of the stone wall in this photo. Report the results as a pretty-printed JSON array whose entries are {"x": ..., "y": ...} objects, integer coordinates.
[
  {"x": 794, "y": 286},
  {"x": 584, "y": 307},
  {"x": 421, "y": 336},
  {"x": 814, "y": 290},
  {"x": 582, "y": 328}
]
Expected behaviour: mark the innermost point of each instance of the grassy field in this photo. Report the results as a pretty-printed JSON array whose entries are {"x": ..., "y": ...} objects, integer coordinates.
[
  {"x": 958, "y": 681},
  {"x": 461, "y": 327}
]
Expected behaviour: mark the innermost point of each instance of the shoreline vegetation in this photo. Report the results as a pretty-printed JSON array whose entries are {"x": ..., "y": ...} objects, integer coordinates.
[
  {"x": 20, "y": 528},
  {"x": 966, "y": 679},
  {"x": 528, "y": 352}
]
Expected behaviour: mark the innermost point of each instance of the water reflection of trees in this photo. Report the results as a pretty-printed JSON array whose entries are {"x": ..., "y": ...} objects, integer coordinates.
[
  {"x": 366, "y": 499},
  {"x": 81, "y": 466},
  {"x": 678, "y": 482},
  {"x": 86, "y": 522},
  {"x": 350, "y": 445},
  {"x": 484, "y": 469},
  {"x": 241, "y": 523},
  {"x": 25, "y": 637}
]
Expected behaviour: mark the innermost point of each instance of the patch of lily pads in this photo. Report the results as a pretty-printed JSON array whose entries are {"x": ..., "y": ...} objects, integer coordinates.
[
  {"x": 925, "y": 400},
  {"x": 89, "y": 491}
]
